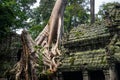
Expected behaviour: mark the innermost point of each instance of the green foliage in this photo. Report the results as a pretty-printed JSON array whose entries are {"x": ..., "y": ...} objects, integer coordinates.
[
  {"x": 35, "y": 30},
  {"x": 40, "y": 63},
  {"x": 38, "y": 47},
  {"x": 14, "y": 14},
  {"x": 39, "y": 50},
  {"x": 6, "y": 19},
  {"x": 75, "y": 14}
]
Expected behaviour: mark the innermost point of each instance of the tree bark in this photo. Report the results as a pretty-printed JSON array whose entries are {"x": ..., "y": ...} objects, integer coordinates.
[
  {"x": 51, "y": 34},
  {"x": 92, "y": 5},
  {"x": 28, "y": 60}
]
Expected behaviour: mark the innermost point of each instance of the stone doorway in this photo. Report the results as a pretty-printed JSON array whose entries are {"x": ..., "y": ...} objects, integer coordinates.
[
  {"x": 118, "y": 70},
  {"x": 96, "y": 75},
  {"x": 77, "y": 75}
]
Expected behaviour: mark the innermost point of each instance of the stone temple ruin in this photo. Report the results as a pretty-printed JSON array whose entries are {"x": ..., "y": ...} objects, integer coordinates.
[
  {"x": 93, "y": 52},
  {"x": 90, "y": 52},
  {"x": 10, "y": 50}
]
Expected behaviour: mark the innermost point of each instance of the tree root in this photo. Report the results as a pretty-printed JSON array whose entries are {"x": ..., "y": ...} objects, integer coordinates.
[
  {"x": 30, "y": 57},
  {"x": 17, "y": 69}
]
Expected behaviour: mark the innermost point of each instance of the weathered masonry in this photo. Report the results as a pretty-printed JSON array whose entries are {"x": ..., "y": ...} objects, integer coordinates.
[
  {"x": 10, "y": 52},
  {"x": 93, "y": 52}
]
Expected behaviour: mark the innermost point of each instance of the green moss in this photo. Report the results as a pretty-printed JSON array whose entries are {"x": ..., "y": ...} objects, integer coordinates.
[
  {"x": 37, "y": 47},
  {"x": 71, "y": 61},
  {"x": 89, "y": 59},
  {"x": 117, "y": 43},
  {"x": 117, "y": 49},
  {"x": 111, "y": 49}
]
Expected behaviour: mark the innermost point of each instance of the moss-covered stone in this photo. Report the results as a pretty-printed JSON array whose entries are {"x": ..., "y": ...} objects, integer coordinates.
[
  {"x": 89, "y": 59},
  {"x": 93, "y": 46}
]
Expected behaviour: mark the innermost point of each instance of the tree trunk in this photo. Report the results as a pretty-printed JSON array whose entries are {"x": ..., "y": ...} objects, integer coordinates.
[
  {"x": 28, "y": 61},
  {"x": 28, "y": 65},
  {"x": 92, "y": 4}
]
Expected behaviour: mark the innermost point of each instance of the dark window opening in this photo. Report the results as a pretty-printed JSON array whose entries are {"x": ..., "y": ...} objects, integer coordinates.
[{"x": 96, "y": 75}]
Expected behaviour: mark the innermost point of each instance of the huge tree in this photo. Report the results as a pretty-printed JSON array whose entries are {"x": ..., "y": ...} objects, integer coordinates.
[{"x": 46, "y": 45}]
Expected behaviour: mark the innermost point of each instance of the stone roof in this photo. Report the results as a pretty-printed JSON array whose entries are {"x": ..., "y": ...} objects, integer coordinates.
[
  {"x": 83, "y": 32},
  {"x": 86, "y": 48},
  {"x": 84, "y": 36},
  {"x": 92, "y": 46},
  {"x": 95, "y": 59},
  {"x": 116, "y": 49}
]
